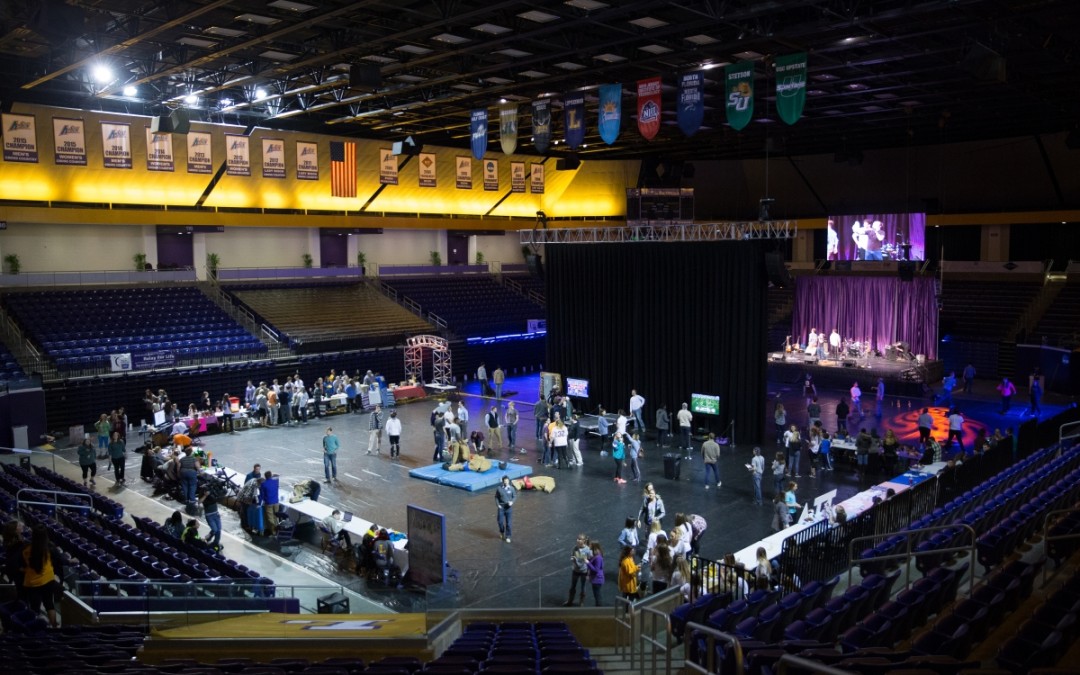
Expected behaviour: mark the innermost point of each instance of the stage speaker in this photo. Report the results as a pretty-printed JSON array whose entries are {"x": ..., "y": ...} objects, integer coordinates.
[
  {"x": 765, "y": 206},
  {"x": 365, "y": 77},
  {"x": 407, "y": 147},
  {"x": 777, "y": 271},
  {"x": 536, "y": 266},
  {"x": 177, "y": 122},
  {"x": 570, "y": 163},
  {"x": 906, "y": 270}
]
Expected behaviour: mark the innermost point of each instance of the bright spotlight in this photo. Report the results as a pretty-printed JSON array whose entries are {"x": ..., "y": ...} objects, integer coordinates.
[
  {"x": 131, "y": 90},
  {"x": 102, "y": 74},
  {"x": 191, "y": 99},
  {"x": 260, "y": 94}
]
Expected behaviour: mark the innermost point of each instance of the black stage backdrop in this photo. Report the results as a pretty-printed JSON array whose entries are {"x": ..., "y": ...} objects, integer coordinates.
[{"x": 667, "y": 319}]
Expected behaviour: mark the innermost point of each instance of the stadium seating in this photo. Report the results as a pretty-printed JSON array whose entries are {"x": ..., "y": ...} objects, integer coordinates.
[
  {"x": 471, "y": 304},
  {"x": 1060, "y": 323}
]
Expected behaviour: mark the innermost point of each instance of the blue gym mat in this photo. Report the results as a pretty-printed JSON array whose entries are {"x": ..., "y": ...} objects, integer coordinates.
[{"x": 470, "y": 480}]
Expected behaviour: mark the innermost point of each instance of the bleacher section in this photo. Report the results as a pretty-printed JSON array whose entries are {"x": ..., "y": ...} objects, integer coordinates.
[
  {"x": 529, "y": 283},
  {"x": 1060, "y": 323},
  {"x": 80, "y": 329},
  {"x": 10, "y": 370},
  {"x": 472, "y": 305},
  {"x": 983, "y": 310},
  {"x": 779, "y": 303},
  {"x": 329, "y": 316}
]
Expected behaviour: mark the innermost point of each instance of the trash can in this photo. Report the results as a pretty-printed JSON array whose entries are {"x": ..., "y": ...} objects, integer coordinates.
[
  {"x": 334, "y": 603},
  {"x": 672, "y": 461}
]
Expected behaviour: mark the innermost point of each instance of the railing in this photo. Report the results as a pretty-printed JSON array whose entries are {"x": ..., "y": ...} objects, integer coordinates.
[
  {"x": 399, "y": 270},
  {"x": 908, "y": 554},
  {"x": 1047, "y": 537},
  {"x": 1072, "y": 433},
  {"x": 412, "y": 306},
  {"x": 55, "y": 494},
  {"x": 107, "y": 277},
  {"x": 665, "y": 232},
  {"x": 436, "y": 319},
  {"x": 248, "y": 273},
  {"x": 792, "y": 661},
  {"x": 712, "y": 636},
  {"x": 270, "y": 333},
  {"x": 653, "y": 620},
  {"x": 625, "y": 630},
  {"x": 537, "y": 298}
]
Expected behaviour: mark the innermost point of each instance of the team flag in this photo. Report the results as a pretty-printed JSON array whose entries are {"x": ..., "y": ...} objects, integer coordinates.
[
  {"x": 541, "y": 124},
  {"x": 691, "y": 105},
  {"x": 648, "y": 107},
  {"x": 574, "y": 119},
  {"x": 478, "y": 128},
  {"x": 791, "y": 86},
  {"x": 508, "y": 127},
  {"x": 739, "y": 88}
]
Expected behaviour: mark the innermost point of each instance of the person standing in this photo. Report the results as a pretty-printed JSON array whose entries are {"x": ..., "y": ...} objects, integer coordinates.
[
  {"x": 510, "y": 418},
  {"x": 438, "y": 423},
  {"x": 596, "y": 572},
  {"x": 40, "y": 566},
  {"x": 663, "y": 426},
  {"x": 947, "y": 386},
  {"x": 834, "y": 343},
  {"x": 118, "y": 455},
  {"x": 637, "y": 407},
  {"x": 757, "y": 469},
  {"x": 88, "y": 461},
  {"x": 462, "y": 415},
  {"x": 925, "y": 424},
  {"x": 781, "y": 517},
  {"x": 856, "y": 399},
  {"x": 793, "y": 449},
  {"x": 393, "y": 430},
  {"x": 540, "y": 412},
  {"x": 879, "y": 397},
  {"x": 213, "y": 518},
  {"x": 104, "y": 433},
  {"x": 189, "y": 475},
  {"x": 330, "y": 445},
  {"x": 842, "y": 414},
  {"x": 780, "y": 421},
  {"x": 499, "y": 377},
  {"x": 686, "y": 420},
  {"x": 618, "y": 453},
  {"x": 226, "y": 415},
  {"x": 300, "y": 398},
  {"x": 505, "y": 495},
  {"x": 969, "y": 378},
  {"x": 1035, "y": 395},
  {"x": 481, "y": 375},
  {"x": 491, "y": 421},
  {"x": 956, "y": 429},
  {"x": 633, "y": 451},
  {"x": 779, "y": 469},
  {"x": 809, "y": 390},
  {"x": 269, "y": 496},
  {"x": 375, "y": 425},
  {"x": 652, "y": 507},
  {"x": 813, "y": 412},
  {"x": 603, "y": 428},
  {"x": 710, "y": 455},
  {"x": 579, "y": 569},
  {"x": 575, "y": 440},
  {"x": 628, "y": 573},
  {"x": 560, "y": 441},
  {"x": 1007, "y": 390}
]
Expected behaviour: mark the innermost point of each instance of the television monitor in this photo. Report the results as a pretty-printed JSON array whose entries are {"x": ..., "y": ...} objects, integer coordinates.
[
  {"x": 577, "y": 388},
  {"x": 871, "y": 237},
  {"x": 706, "y": 404},
  {"x": 159, "y": 418}
]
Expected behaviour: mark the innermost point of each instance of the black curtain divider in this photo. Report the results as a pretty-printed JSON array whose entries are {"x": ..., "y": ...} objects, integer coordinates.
[{"x": 667, "y": 319}]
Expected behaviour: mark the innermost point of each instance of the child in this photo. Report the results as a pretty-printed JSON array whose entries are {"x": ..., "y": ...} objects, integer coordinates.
[{"x": 628, "y": 573}]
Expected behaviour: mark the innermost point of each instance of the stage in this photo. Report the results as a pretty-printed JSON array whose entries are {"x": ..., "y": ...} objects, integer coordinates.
[{"x": 902, "y": 377}]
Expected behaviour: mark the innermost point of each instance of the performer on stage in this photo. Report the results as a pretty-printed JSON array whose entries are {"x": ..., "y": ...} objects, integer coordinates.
[
  {"x": 874, "y": 236},
  {"x": 812, "y": 343},
  {"x": 859, "y": 235},
  {"x": 835, "y": 342},
  {"x": 832, "y": 247}
]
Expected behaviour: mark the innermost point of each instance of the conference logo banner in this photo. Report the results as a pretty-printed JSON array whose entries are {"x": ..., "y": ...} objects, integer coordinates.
[
  {"x": 273, "y": 158},
  {"x": 648, "y": 107},
  {"x": 199, "y": 154},
  {"x": 388, "y": 168},
  {"x": 739, "y": 85},
  {"x": 791, "y": 86},
  {"x": 20, "y": 138},
  {"x": 463, "y": 172},
  {"x": 237, "y": 155},
  {"x": 541, "y": 124},
  {"x": 307, "y": 160},
  {"x": 69, "y": 141},
  {"x": 427, "y": 170},
  {"x": 159, "y": 151},
  {"x": 517, "y": 176},
  {"x": 508, "y": 128},
  {"x": 478, "y": 131},
  {"x": 491, "y": 175},
  {"x": 536, "y": 179},
  {"x": 610, "y": 112},
  {"x": 116, "y": 145},
  {"x": 691, "y": 105},
  {"x": 574, "y": 119}
]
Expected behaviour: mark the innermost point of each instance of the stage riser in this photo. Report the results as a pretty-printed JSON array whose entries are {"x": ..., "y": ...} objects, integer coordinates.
[{"x": 842, "y": 377}]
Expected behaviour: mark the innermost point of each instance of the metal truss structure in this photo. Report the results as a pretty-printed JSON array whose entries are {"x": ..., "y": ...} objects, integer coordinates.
[
  {"x": 440, "y": 359},
  {"x": 631, "y": 234}
]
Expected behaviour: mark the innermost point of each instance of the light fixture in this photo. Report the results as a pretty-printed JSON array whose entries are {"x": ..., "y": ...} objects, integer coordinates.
[
  {"x": 191, "y": 99},
  {"x": 102, "y": 74},
  {"x": 131, "y": 90},
  {"x": 260, "y": 94}
]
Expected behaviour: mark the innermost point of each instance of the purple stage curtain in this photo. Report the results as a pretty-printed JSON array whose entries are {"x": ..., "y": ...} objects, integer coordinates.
[{"x": 882, "y": 310}]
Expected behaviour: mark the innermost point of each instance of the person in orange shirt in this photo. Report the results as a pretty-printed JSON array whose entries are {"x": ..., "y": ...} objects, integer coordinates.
[{"x": 628, "y": 574}]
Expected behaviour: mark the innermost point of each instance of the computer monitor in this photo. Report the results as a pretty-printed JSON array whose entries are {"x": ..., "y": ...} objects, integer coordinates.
[
  {"x": 159, "y": 418},
  {"x": 347, "y": 517}
]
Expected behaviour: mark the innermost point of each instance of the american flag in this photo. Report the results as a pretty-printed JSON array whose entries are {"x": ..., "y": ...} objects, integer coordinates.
[{"x": 342, "y": 169}]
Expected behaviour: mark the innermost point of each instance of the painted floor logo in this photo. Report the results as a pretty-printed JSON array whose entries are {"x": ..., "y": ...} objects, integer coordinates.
[{"x": 352, "y": 624}]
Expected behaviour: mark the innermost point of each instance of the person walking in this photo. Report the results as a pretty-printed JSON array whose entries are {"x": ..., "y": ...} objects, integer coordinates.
[
  {"x": 505, "y": 495},
  {"x": 663, "y": 426},
  {"x": 189, "y": 475},
  {"x": 498, "y": 377},
  {"x": 686, "y": 421},
  {"x": 780, "y": 421},
  {"x": 510, "y": 418},
  {"x": 637, "y": 408},
  {"x": 575, "y": 440},
  {"x": 375, "y": 425},
  {"x": 956, "y": 429},
  {"x": 491, "y": 421},
  {"x": 118, "y": 455},
  {"x": 757, "y": 469},
  {"x": 462, "y": 417},
  {"x": 579, "y": 569},
  {"x": 330, "y": 445},
  {"x": 793, "y": 449},
  {"x": 481, "y": 375},
  {"x": 633, "y": 451},
  {"x": 710, "y": 455},
  {"x": 652, "y": 507},
  {"x": 879, "y": 397},
  {"x": 88, "y": 461},
  {"x": 969, "y": 378},
  {"x": 393, "y": 432},
  {"x": 628, "y": 573},
  {"x": 1035, "y": 396}
]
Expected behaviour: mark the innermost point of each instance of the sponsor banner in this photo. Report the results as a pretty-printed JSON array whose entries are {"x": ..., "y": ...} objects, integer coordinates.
[
  {"x": 199, "y": 155},
  {"x": 116, "y": 145},
  {"x": 491, "y": 175},
  {"x": 536, "y": 178},
  {"x": 648, "y": 107},
  {"x": 69, "y": 141},
  {"x": 164, "y": 358},
  {"x": 20, "y": 138},
  {"x": 120, "y": 363},
  {"x": 517, "y": 176},
  {"x": 463, "y": 172},
  {"x": 159, "y": 151},
  {"x": 791, "y": 86},
  {"x": 388, "y": 167},
  {"x": 237, "y": 155},
  {"x": 541, "y": 124},
  {"x": 343, "y": 169},
  {"x": 508, "y": 127},
  {"x": 739, "y": 89},
  {"x": 610, "y": 112},
  {"x": 478, "y": 130},
  {"x": 307, "y": 160},
  {"x": 691, "y": 104},
  {"x": 574, "y": 119},
  {"x": 427, "y": 171},
  {"x": 273, "y": 158}
]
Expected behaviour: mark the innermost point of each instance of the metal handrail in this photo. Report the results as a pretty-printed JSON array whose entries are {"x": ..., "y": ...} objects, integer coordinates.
[
  {"x": 711, "y": 637},
  {"x": 1062, "y": 435},
  {"x": 625, "y": 608},
  {"x": 645, "y": 637},
  {"x": 909, "y": 554},
  {"x": 1047, "y": 537},
  {"x": 806, "y": 664},
  {"x": 55, "y": 503},
  {"x": 437, "y": 320}
]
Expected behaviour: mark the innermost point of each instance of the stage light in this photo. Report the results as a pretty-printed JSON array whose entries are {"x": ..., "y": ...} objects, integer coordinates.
[
  {"x": 102, "y": 74},
  {"x": 191, "y": 99},
  {"x": 131, "y": 90},
  {"x": 260, "y": 94}
]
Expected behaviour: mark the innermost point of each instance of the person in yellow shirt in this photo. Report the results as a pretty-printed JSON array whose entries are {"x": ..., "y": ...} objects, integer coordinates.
[
  {"x": 628, "y": 574},
  {"x": 39, "y": 575}
]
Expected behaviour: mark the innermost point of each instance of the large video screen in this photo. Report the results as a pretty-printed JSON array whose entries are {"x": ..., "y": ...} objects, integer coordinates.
[
  {"x": 706, "y": 404},
  {"x": 888, "y": 236},
  {"x": 577, "y": 387}
]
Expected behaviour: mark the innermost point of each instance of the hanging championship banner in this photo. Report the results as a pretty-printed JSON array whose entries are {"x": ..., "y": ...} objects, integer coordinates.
[
  {"x": 648, "y": 107},
  {"x": 541, "y": 124},
  {"x": 69, "y": 141},
  {"x": 508, "y": 127},
  {"x": 307, "y": 160},
  {"x": 491, "y": 175},
  {"x": 610, "y": 112},
  {"x": 116, "y": 145},
  {"x": 463, "y": 172},
  {"x": 388, "y": 167},
  {"x": 739, "y": 86},
  {"x": 20, "y": 138},
  {"x": 273, "y": 158},
  {"x": 159, "y": 151},
  {"x": 237, "y": 155},
  {"x": 427, "y": 171},
  {"x": 536, "y": 179},
  {"x": 791, "y": 86},
  {"x": 199, "y": 156},
  {"x": 691, "y": 104},
  {"x": 574, "y": 119},
  {"x": 517, "y": 176},
  {"x": 478, "y": 132}
]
